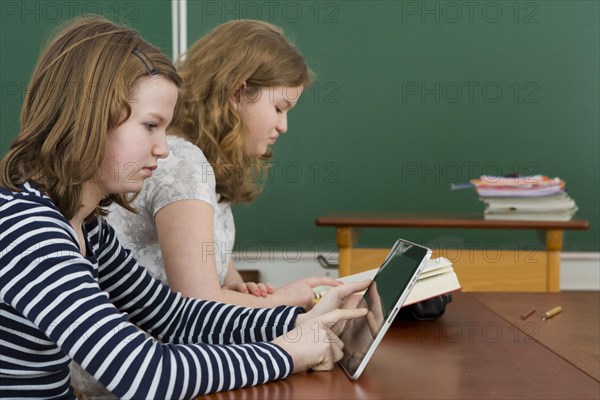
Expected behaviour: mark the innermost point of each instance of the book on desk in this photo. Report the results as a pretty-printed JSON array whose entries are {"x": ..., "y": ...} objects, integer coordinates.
[
  {"x": 438, "y": 277},
  {"x": 525, "y": 198},
  {"x": 558, "y": 207}
]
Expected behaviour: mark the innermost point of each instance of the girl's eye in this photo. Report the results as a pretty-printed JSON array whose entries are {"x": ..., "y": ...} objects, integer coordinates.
[
  {"x": 278, "y": 110},
  {"x": 150, "y": 126}
]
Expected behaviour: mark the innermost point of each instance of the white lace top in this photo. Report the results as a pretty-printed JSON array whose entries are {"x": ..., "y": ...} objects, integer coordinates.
[{"x": 184, "y": 175}]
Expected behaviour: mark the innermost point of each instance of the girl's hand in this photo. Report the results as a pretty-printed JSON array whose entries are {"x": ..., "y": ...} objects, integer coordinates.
[
  {"x": 256, "y": 289},
  {"x": 313, "y": 344},
  {"x": 345, "y": 296},
  {"x": 300, "y": 292}
]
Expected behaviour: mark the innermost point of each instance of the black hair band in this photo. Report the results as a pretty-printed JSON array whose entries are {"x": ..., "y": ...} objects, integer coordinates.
[{"x": 146, "y": 61}]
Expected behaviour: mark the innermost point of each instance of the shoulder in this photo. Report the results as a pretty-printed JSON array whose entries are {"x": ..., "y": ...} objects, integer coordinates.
[
  {"x": 185, "y": 174},
  {"x": 29, "y": 200},
  {"x": 180, "y": 148},
  {"x": 185, "y": 161},
  {"x": 31, "y": 222}
]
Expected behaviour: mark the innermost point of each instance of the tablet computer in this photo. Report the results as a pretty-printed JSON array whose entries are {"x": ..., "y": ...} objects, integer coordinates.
[{"x": 383, "y": 298}]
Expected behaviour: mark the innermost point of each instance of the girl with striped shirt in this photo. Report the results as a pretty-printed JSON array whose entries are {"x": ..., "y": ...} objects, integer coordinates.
[{"x": 92, "y": 129}]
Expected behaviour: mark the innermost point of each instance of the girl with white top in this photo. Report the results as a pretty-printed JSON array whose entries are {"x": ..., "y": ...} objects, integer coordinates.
[{"x": 240, "y": 81}]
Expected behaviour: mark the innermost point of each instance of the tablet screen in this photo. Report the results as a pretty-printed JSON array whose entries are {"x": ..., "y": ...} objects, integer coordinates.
[{"x": 380, "y": 298}]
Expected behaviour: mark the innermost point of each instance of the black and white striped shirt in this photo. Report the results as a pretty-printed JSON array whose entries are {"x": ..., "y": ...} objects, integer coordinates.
[{"x": 56, "y": 305}]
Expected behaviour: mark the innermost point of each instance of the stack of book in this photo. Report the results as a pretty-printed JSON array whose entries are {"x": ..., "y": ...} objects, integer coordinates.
[
  {"x": 438, "y": 277},
  {"x": 525, "y": 198}
]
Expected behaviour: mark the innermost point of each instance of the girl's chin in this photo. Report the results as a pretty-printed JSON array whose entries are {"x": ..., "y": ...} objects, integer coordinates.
[
  {"x": 125, "y": 188},
  {"x": 259, "y": 152}
]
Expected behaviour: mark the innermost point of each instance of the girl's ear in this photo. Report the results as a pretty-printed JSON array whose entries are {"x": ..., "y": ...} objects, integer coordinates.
[
  {"x": 236, "y": 98},
  {"x": 234, "y": 102}
]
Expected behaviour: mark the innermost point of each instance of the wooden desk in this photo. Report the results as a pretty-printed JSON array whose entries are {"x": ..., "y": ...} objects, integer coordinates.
[
  {"x": 470, "y": 353},
  {"x": 574, "y": 334},
  {"x": 510, "y": 271}
]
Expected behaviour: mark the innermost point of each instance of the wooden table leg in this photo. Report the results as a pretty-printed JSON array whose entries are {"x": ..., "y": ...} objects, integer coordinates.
[
  {"x": 554, "y": 242},
  {"x": 345, "y": 239}
]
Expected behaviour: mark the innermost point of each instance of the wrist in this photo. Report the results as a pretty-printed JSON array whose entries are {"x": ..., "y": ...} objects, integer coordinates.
[
  {"x": 301, "y": 318},
  {"x": 232, "y": 282},
  {"x": 288, "y": 349}
]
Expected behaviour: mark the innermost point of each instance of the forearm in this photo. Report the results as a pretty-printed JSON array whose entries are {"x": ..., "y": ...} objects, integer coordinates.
[
  {"x": 224, "y": 295},
  {"x": 193, "y": 271}
]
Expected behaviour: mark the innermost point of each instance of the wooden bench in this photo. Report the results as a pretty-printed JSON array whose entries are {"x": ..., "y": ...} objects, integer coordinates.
[{"x": 513, "y": 271}]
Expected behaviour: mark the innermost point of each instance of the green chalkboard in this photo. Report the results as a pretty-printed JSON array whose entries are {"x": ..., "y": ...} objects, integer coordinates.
[
  {"x": 411, "y": 96},
  {"x": 25, "y": 26}
]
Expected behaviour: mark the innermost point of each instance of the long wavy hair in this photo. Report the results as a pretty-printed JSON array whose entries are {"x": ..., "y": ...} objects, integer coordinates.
[
  {"x": 79, "y": 90},
  {"x": 213, "y": 70}
]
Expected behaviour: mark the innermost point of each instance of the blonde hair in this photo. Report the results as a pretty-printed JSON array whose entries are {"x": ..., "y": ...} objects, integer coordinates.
[
  {"x": 78, "y": 91},
  {"x": 214, "y": 69}
]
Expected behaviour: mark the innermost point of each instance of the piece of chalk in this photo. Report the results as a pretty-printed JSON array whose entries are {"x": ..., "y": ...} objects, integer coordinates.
[{"x": 528, "y": 314}]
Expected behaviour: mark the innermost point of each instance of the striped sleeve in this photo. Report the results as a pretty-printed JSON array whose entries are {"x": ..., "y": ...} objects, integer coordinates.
[
  {"x": 88, "y": 313},
  {"x": 169, "y": 316}
]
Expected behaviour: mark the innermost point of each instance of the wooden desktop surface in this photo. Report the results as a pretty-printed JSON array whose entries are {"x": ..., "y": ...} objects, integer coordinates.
[
  {"x": 473, "y": 352},
  {"x": 574, "y": 334}
]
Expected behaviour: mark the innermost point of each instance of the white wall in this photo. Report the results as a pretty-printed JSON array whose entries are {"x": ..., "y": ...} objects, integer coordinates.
[{"x": 580, "y": 271}]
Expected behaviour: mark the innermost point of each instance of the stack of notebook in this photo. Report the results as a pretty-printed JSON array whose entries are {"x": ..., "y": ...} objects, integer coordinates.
[{"x": 525, "y": 198}]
